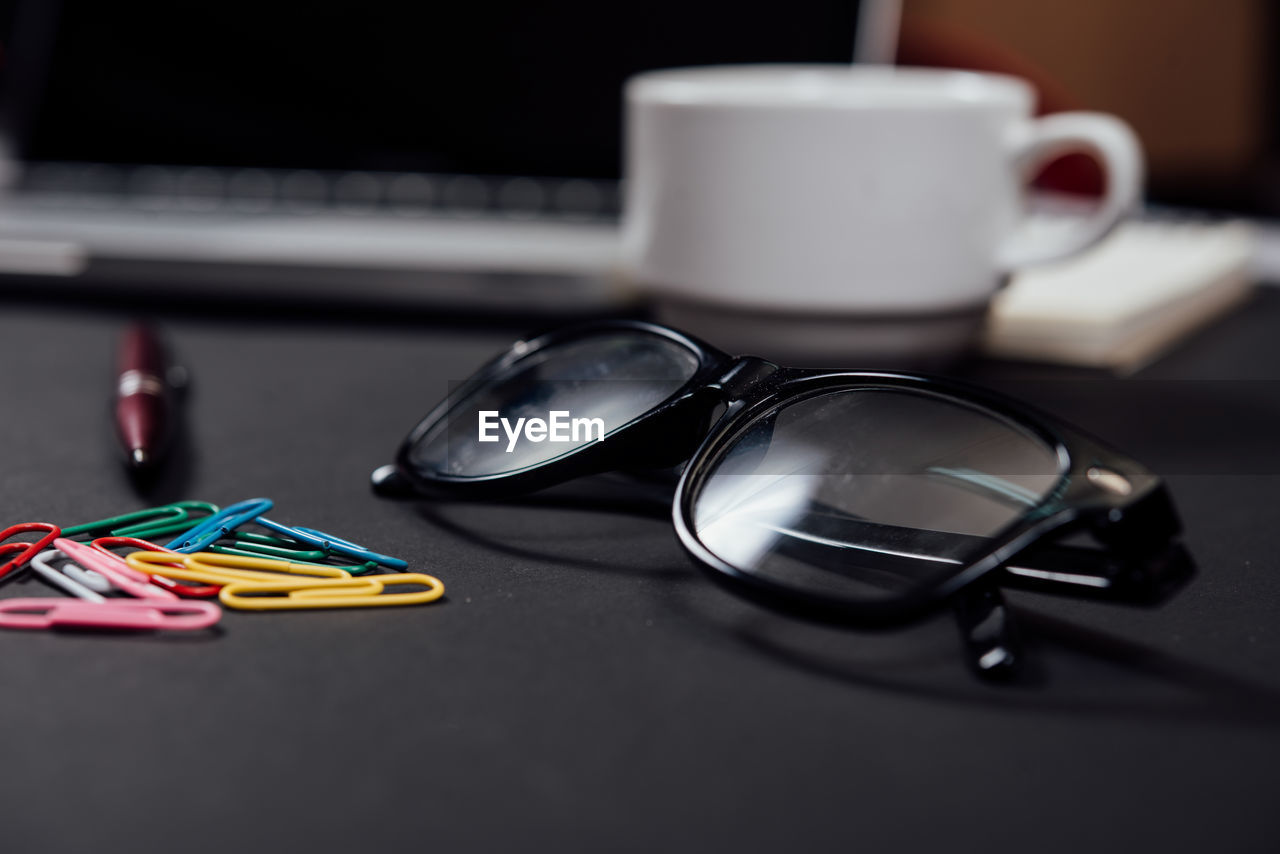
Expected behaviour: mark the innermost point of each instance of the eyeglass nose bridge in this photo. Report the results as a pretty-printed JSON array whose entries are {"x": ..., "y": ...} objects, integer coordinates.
[{"x": 743, "y": 376}]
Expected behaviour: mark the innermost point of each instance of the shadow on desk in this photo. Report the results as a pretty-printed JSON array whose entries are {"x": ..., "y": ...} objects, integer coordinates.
[
  {"x": 1073, "y": 668},
  {"x": 606, "y": 495}
]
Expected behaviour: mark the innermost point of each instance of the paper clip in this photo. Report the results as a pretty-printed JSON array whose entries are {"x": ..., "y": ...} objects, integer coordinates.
[
  {"x": 92, "y": 579},
  {"x": 223, "y": 522},
  {"x": 265, "y": 569},
  {"x": 42, "y": 564},
  {"x": 248, "y": 581},
  {"x": 212, "y": 568},
  {"x": 332, "y": 544},
  {"x": 141, "y": 614},
  {"x": 92, "y": 610},
  {"x": 13, "y": 548},
  {"x": 96, "y": 581},
  {"x": 310, "y": 558},
  {"x": 27, "y": 550},
  {"x": 136, "y": 522},
  {"x": 114, "y": 569},
  {"x": 186, "y": 591},
  {"x": 252, "y": 597},
  {"x": 280, "y": 549},
  {"x": 258, "y": 595},
  {"x": 167, "y": 527},
  {"x": 252, "y": 544}
]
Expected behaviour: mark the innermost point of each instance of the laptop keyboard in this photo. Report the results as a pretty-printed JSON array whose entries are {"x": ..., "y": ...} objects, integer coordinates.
[{"x": 301, "y": 192}]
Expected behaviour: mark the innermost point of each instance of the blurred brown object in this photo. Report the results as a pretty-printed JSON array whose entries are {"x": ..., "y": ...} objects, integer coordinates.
[{"x": 1191, "y": 76}]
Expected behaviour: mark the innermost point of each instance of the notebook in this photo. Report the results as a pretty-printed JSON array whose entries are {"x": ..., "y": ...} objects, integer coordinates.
[{"x": 1123, "y": 303}]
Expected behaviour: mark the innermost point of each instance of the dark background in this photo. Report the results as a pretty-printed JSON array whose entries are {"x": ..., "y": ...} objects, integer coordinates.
[
  {"x": 582, "y": 687},
  {"x": 509, "y": 88},
  {"x": 496, "y": 88}
]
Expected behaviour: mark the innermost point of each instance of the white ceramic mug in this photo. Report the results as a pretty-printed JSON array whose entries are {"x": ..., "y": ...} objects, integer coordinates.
[{"x": 851, "y": 191}]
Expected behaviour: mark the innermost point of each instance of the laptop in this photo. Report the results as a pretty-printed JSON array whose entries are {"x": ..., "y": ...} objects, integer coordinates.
[{"x": 465, "y": 155}]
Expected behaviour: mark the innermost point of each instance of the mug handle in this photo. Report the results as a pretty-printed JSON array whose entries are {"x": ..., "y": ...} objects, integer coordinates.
[{"x": 1115, "y": 146}]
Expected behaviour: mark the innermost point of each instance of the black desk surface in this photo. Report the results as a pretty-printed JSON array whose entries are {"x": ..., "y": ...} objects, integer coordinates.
[{"x": 583, "y": 688}]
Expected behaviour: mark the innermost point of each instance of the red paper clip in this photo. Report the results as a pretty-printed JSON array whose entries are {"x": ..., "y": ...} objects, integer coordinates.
[
  {"x": 187, "y": 591},
  {"x": 28, "y": 550}
]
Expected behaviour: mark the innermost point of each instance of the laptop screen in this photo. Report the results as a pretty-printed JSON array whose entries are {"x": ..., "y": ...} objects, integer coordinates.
[{"x": 501, "y": 88}]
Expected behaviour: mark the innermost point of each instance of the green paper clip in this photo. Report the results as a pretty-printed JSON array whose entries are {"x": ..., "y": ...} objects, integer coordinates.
[{"x": 144, "y": 524}]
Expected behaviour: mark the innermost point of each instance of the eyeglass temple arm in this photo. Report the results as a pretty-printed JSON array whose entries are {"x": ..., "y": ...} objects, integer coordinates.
[
  {"x": 992, "y": 644},
  {"x": 1055, "y": 568},
  {"x": 1094, "y": 573},
  {"x": 1048, "y": 567}
]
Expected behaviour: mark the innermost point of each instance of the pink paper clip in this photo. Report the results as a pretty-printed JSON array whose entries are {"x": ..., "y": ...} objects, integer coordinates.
[
  {"x": 109, "y": 566},
  {"x": 138, "y": 614},
  {"x": 185, "y": 591}
]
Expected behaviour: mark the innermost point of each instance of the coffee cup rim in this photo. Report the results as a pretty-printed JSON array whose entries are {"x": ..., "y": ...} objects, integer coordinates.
[{"x": 777, "y": 85}]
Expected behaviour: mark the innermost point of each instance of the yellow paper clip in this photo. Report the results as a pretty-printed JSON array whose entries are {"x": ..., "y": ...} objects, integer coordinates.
[
  {"x": 222, "y": 569},
  {"x": 267, "y": 569},
  {"x": 265, "y": 584},
  {"x": 250, "y": 596}
]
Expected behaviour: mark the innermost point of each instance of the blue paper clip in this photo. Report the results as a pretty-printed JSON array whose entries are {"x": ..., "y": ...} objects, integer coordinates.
[
  {"x": 219, "y": 524},
  {"x": 333, "y": 544}
]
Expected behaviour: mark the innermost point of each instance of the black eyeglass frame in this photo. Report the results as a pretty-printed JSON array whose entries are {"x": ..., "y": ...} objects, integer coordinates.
[{"x": 1122, "y": 504}]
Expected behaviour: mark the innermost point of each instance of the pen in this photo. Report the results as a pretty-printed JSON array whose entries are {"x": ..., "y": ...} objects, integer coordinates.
[{"x": 145, "y": 398}]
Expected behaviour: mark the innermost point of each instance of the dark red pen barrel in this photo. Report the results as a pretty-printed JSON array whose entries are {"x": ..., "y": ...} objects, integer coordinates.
[
  {"x": 142, "y": 397},
  {"x": 141, "y": 417}
]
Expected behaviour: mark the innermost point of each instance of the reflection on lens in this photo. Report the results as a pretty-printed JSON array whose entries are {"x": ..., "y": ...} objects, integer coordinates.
[
  {"x": 868, "y": 493},
  {"x": 578, "y": 392}
]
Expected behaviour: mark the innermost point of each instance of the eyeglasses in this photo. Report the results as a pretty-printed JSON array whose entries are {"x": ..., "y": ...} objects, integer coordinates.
[{"x": 862, "y": 498}]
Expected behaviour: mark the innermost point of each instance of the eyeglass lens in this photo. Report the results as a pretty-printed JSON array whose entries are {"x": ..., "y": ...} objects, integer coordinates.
[
  {"x": 868, "y": 493},
  {"x": 614, "y": 378}
]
